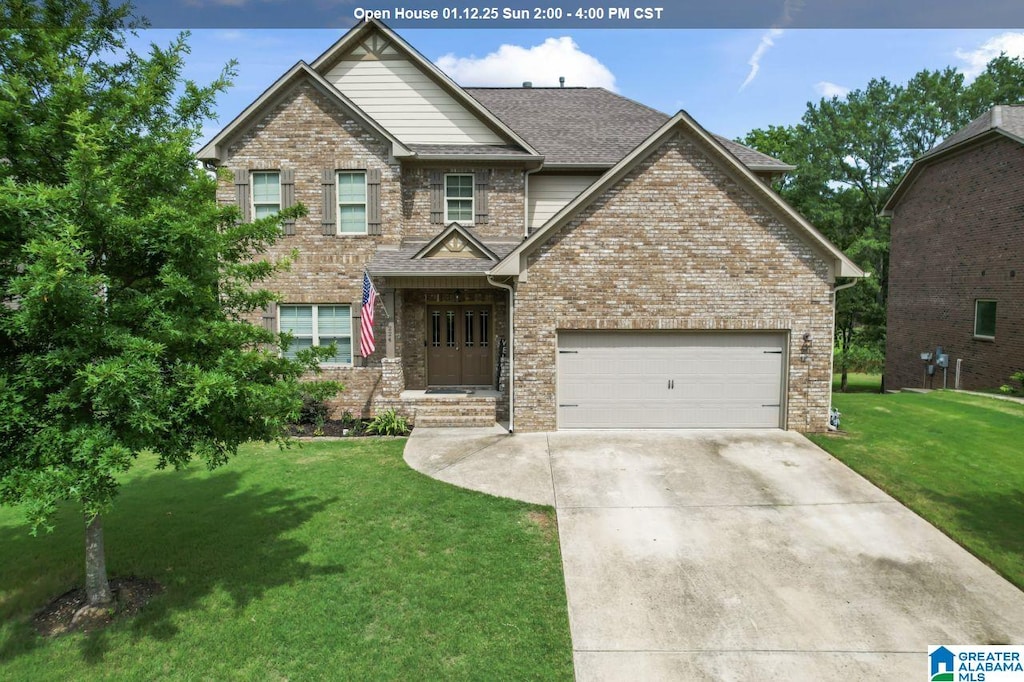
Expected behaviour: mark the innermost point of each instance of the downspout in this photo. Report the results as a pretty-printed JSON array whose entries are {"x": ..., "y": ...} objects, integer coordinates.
[{"x": 511, "y": 351}]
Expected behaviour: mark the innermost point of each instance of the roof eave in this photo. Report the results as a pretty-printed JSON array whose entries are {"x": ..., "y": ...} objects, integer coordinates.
[{"x": 490, "y": 158}]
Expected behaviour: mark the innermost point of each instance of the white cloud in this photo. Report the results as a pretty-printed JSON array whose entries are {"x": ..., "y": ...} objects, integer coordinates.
[
  {"x": 542, "y": 64},
  {"x": 767, "y": 42},
  {"x": 1010, "y": 43},
  {"x": 829, "y": 90}
]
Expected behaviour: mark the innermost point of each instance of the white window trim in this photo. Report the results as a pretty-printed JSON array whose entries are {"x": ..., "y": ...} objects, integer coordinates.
[
  {"x": 983, "y": 337},
  {"x": 252, "y": 193},
  {"x": 339, "y": 203},
  {"x": 316, "y": 329},
  {"x": 471, "y": 199}
]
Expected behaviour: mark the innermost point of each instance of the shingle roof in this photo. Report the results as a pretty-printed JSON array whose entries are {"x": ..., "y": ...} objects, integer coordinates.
[
  {"x": 1002, "y": 117},
  {"x": 588, "y": 126},
  {"x": 401, "y": 261}
]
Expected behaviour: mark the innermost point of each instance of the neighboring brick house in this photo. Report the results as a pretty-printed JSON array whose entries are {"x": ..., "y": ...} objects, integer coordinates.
[
  {"x": 582, "y": 258},
  {"x": 956, "y": 263}
]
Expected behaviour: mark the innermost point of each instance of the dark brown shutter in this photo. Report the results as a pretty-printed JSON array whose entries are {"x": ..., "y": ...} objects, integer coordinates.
[
  {"x": 242, "y": 193},
  {"x": 436, "y": 197},
  {"x": 270, "y": 317},
  {"x": 357, "y": 313},
  {"x": 482, "y": 179},
  {"x": 288, "y": 198},
  {"x": 330, "y": 201},
  {"x": 373, "y": 222}
]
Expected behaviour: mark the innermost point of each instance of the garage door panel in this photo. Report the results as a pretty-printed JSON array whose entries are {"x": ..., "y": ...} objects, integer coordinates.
[{"x": 669, "y": 380}]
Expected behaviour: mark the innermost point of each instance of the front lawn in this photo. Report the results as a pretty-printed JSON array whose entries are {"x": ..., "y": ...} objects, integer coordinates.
[
  {"x": 333, "y": 561},
  {"x": 957, "y": 460},
  {"x": 858, "y": 383}
]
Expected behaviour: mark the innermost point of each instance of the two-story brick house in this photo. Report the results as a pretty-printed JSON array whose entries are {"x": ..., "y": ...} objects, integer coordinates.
[
  {"x": 956, "y": 261},
  {"x": 573, "y": 258}
]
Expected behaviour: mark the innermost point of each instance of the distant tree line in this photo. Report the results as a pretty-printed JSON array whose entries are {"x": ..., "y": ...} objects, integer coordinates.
[{"x": 850, "y": 154}]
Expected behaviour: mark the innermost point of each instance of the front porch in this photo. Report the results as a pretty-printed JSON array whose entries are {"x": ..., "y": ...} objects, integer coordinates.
[{"x": 446, "y": 352}]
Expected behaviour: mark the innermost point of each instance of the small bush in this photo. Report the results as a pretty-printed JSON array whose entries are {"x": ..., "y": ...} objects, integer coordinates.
[
  {"x": 1019, "y": 389},
  {"x": 863, "y": 359},
  {"x": 354, "y": 425},
  {"x": 387, "y": 423}
]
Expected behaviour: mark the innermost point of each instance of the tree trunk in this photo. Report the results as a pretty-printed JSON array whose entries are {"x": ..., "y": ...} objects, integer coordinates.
[{"x": 97, "y": 588}]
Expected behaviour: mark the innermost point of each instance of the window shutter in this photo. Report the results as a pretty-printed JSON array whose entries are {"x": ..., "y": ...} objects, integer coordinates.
[
  {"x": 357, "y": 313},
  {"x": 242, "y": 193},
  {"x": 288, "y": 198},
  {"x": 436, "y": 197},
  {"x": 373, "y": 222},
  {"x": 270, "y": 317},
  {"x": 330, "y": 202},
  {"x": 480, "y": 197}
]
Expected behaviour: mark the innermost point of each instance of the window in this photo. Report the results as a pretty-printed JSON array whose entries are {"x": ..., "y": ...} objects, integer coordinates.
[
  {"x": 352, "y": 202},
  {"x": 985, "y": 319},
  {"x": 318, "y": 325},
  {"x": 266, "y": 193},
  {"x": 458, "y": 199}
]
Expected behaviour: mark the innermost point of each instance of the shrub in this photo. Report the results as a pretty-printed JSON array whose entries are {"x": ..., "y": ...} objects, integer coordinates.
[
  {"x": 387, "y": 423},
  {"x": 1010, "y": 390}
]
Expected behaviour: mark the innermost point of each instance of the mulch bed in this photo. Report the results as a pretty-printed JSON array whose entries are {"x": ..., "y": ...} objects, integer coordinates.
[
  {"x": 130, "y": 595},
  {"x": 334, "y": 428}
]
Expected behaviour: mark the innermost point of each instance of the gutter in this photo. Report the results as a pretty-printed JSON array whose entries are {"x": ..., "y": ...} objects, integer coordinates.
[{"x": 511, "y": 351}]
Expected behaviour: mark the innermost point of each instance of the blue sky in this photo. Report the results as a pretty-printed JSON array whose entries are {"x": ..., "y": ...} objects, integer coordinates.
[{"x": 730, "y": 80}]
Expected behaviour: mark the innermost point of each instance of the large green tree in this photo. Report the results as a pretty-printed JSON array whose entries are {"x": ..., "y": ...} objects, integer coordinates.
[
  {"x": 850, "y": 152},
  {"x": 125, "y": 287}
]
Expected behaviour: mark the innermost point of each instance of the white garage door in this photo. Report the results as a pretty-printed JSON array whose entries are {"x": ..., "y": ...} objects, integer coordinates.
[{"x": 670, "y": 380}]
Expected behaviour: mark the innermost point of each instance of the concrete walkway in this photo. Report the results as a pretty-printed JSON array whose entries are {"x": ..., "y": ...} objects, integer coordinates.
[{"x": 732, "y": 555}]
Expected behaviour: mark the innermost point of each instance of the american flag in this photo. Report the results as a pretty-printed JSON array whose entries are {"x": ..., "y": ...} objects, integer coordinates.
[{"x": 366, "y": 340}]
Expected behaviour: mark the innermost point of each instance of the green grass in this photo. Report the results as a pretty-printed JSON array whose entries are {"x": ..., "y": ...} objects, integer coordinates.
[
  {"x": 957, "y": 460},
  {"x": 858, "y": 383},
  {"x": 333, "y": 561}
]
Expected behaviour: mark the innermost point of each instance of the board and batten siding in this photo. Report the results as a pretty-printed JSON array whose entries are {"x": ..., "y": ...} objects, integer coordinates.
[
  {"x": 413, "y": 108},
  {"x": 550, "y": 193}
]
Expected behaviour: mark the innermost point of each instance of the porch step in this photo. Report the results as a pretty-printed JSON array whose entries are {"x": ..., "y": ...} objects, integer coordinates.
[
  {"x": 448, "y": 411},
  {"x": 449, "y": 421}
]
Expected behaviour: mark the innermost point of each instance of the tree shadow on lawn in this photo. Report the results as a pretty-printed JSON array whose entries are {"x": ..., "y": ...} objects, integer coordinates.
[
  {"x": 199, "y": 536},
  {"x": 997, "y": 520}
]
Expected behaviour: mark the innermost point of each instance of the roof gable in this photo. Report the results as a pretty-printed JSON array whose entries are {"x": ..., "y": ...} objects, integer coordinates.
[
  {"x": 840, "y": 264},
  {"x": 999, "y": 121},
  {"x": 456, "y": 241},
  {"x": 407, "y": 94},
  {"x": 215, "y": 149}
]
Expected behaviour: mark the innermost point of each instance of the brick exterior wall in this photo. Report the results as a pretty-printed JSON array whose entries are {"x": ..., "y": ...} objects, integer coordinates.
[
  {"x": 958, "y": 236},
  {"x": 676, "y": 245},
  {"x": 504, "y": 202}
]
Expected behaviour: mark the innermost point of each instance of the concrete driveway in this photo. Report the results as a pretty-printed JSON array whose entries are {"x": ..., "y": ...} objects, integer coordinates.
[{"x": 733, "y": 555}]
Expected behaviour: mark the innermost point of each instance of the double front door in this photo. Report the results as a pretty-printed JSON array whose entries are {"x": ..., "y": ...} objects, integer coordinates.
[{"x": 459, "y": 345}]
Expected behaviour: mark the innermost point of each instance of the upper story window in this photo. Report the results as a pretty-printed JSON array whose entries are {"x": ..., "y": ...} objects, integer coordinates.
[
  {"x": 266, "y": 193},
  {"x": 318, "y": 325},
  {"x": 984, "y": 319},
  {"x": 352, "y": 202},
  {"x": 458, "y": 199}
]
